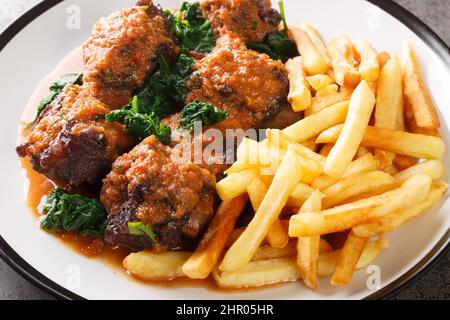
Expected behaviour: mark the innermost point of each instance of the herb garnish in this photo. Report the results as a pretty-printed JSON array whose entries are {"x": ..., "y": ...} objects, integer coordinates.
[
  {"x": 140, "y": 228},
  {"x": 73, "y": 212},
  {"x": 197, "y": 111},
  {"x": 56, "y": 88},
  {"x": 276, "y": 45},
  {"x": 193, "y": 31}
]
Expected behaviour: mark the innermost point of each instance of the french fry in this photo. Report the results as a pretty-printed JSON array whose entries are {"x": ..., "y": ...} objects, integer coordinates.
[
  {"x": 432, "y": 168},
  {"x": 363, "y": 164},
  {"x": 260, "y": 154},
  {"x": 310, "y": 144},
  {"x": 393, "y": 221},
  {"x": 355, "y": 185},
  {"x": 319, "y": 82},
  {"x": 392, "y": 170},
  {"x": 265, "y": 272},
  {"x": 400, "y": 142},
  {"x": 389, "y": 107},
  {"x": 201, "y": 263},
  {"x": 329, "y": 89},
  {"x": 314, "y": 63},
  {"x": 383, "y": 58},
  {"x": 320, "y": 102},
  {"x": 277, "y": 236},
  {"x": 361, "y": 106},
  {"x": 299, "y": 195},
  {"x": 269, "y": 252},
  {"x": 147, "y": 265},
  {"x": 422, "y": 109},
  {"x": 349, "y": 215},
  {"x": 286, "y": 178},
  {"x": 383, "y": 225},
  {"x": 348, "y": 259},
  {"x": 327, "y": 261},
  {"x": 258, "y": 273},
  {"x": 308, "y": 248},
  {"x": 325, "y": 150},
  {"x": 341, "y": 52},
  {"x": 235, "y": 184},
  {"x": 313, "y": 125},
  {"x": 414, "y": 128},
  {"x": 369, "y": 68},
  {"x": 299, "y": 91},
  {"x": 317, "y": 40}
]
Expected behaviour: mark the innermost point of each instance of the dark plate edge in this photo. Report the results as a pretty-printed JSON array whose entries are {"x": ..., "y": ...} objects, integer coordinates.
[{"x": 403, "y": 15}]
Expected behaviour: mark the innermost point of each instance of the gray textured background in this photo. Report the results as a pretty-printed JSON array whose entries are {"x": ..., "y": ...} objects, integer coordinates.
[{"x": 435, "y": 284}]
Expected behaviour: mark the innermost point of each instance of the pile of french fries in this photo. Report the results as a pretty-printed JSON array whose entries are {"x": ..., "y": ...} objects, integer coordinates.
[{"x": 365, "y": 159}]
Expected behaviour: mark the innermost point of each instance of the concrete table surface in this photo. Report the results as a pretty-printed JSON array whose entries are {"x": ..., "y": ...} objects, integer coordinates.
[{"x": 435, "y": 284}]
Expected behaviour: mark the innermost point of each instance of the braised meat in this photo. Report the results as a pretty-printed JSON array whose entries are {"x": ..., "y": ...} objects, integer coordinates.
[
  {"x": 148, "y": 184},
  {"x": 250, "y": 19},
  {"x": 175, "y": 198},
  {"x": 248, "y": 85},
  {"x": 124, "y": 49},
  {"x": 71, "y": 142}
]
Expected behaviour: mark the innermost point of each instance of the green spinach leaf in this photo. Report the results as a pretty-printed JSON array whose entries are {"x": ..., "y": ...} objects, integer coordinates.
[
  {"x": 140, "y": 228},
  {"x": 140, "y": 124},
  {"x": 196, "y": 111},
  {"x": 276, "y": 45},
  {"x": 193, "y": 31},
  {"x": 73, "y": 212}
]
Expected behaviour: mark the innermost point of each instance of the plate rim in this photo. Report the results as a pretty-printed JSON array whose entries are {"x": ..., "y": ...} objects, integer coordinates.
[{"x": 415, "y": 24}]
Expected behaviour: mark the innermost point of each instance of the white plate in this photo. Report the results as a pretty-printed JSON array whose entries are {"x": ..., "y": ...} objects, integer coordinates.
[{"x": 33, "y": 46}]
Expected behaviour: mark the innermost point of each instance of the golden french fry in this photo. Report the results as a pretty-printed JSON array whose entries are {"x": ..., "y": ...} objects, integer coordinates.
[
  {"x": 310, "y": 144},
  {"x": 235, "y": 184},
  {"x": 432, "y": 168},
  {"x": 361, "y": 106},
  {"x": 355, "y": 185},
  {"x": 240, "y": 166},
  {"x": 286, "y": 178},
  {"x": 317, "y": 40},
  {"x": 349, "y": 215},
  {"x": 383, "y": 58},
  {"x": 308, "y": 248},
  {"x": 329, "y": 89},
  {"x": 322, "y": 101},
  {"x": 410, "y": 144},
  {"x": 299, "y": 91},
  {"x": 369, "y": 68},
  {"x": 319, "y": 81},
  {"x": 314, "y": 63},
  {"x": 414, "y": 128},
  {"x": 416, "y": 93},
  {"x": 313, "y": 125},
  {"x": 383, "y": 225},
  {"x": 341, "y": 52},
  {"x": 265, "y": 272},
  {"x": 389, "y": 111},
  {"x": 260, "y": 154},
  {"x": 299, "y": 195},
  {"x": 156, "y": 266},
  {"x": 277, "y": 236},
  {"x": 258, "y": 273},
  {"x": 327, "y": 261},
  {"x": 363, "y": 164},
  {"x": 325, "y": 150},
  {"x": 348, "y": 259},
  {"x": 392, "y": 170},
  {"x": 393, "y": 221},
  {"x": 201, "y": 263}
]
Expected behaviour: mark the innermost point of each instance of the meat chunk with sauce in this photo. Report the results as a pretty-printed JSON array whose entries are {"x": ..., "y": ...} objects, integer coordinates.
[
  {"x": 70, "y": 141},
  {"x": 250, "y": 19},
  {"x": 250, "y": 86},
  {"x": 150, "y": 184},
  {"x": 124, "y": 49}
]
